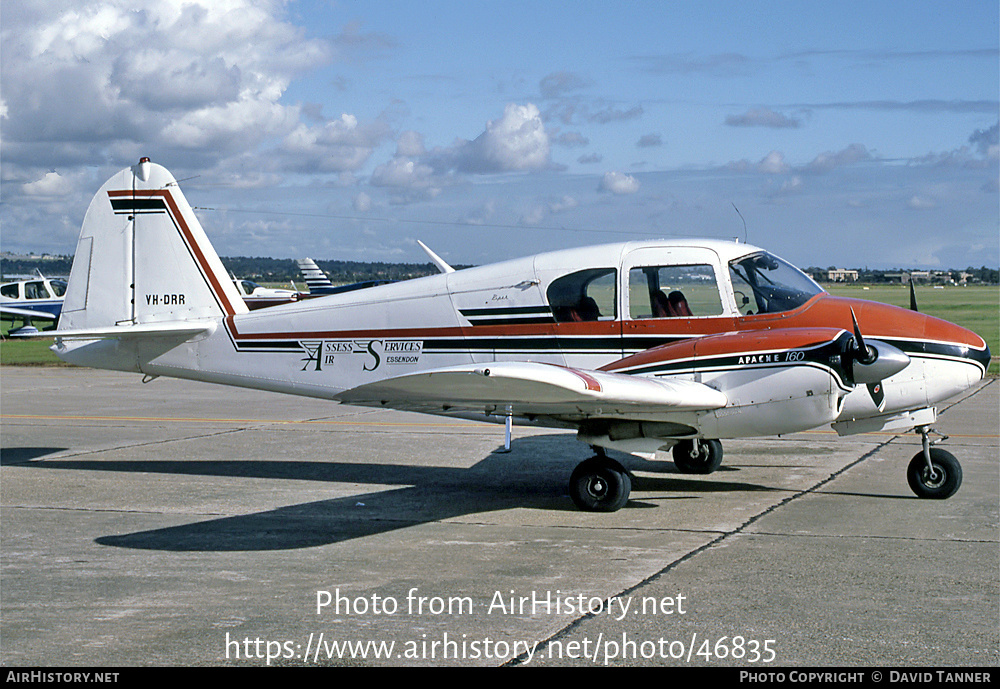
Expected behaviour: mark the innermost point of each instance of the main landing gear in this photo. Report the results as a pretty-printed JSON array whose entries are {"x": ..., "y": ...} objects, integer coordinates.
[
  {"x": 697, "y": 456},
  {"x": 933, "y": 473},
  {"x": 600, "y": 484}
]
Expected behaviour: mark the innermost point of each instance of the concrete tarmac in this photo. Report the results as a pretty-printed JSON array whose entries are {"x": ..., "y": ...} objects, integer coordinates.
[{"x": 182, "y": 524}]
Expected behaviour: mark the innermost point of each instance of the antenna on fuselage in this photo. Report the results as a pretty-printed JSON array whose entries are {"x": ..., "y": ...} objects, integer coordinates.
[
  {"x": 438, "y": 261},
  {"x": 744, "y": 222}
]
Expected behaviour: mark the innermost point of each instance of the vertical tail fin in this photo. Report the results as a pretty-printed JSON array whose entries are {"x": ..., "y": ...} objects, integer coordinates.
[
  {"x": 143, "y": 257},
  {"x": 316, "y": 279}
]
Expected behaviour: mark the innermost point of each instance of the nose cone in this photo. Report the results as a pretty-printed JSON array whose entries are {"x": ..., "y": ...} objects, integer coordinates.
[
  {"x": 981, "y": 357},
  {"x": 934, "y": 341}
]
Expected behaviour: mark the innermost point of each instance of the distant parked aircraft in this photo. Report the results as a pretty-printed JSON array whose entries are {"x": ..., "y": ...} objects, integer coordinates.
[{"x": 39, "y": 298}]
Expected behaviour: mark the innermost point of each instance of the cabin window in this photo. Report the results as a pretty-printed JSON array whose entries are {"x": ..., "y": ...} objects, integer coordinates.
[
  {"x": 673, "y": 292},
  {"x": 58, "y": 286},
  {"x": 763, "y": 283},
  {"x": 588, "y": 295},
  {"x": 35, "y": 290},
  {"x": 9, "y": 290}
]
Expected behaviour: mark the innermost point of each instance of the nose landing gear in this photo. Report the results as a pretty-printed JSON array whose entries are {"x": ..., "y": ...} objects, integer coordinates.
[{"x": 933, "y": 473}]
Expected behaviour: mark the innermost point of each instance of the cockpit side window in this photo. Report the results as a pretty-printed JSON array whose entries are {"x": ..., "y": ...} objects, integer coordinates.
[
  {"x": 35, "y": 290},
  {"x": 673, "y": 292},
  {"x": 587, "y": 295},
  {"x": 763, "y": 283}
]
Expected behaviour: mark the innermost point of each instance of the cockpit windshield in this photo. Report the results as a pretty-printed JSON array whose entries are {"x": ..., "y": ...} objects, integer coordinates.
[{"x": 764, "y": 283}]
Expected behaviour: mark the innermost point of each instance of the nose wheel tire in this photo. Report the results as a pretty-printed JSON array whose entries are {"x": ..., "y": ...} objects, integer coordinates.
[
  {"x": 600, "y": 484},
  {"x": 938, "y": 481},
  {"x": 707, "y": 459}
]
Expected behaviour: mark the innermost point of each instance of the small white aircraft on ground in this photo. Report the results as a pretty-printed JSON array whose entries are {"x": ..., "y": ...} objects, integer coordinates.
[
  {"x": 639, "y": 346},
  {"x": 39, "y": 298},
  {"x": 257, "y": 297}
]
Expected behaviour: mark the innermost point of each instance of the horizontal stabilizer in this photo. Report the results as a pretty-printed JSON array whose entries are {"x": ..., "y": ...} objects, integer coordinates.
[
  {"x": 534, "y": 389},
  {"x": 169, "y": 329}
]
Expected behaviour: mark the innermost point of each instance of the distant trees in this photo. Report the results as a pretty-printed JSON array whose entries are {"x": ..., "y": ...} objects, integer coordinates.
[
  {"x": 284, "y": 270},
  {"x": 262, "y": 269},
  {"x": 50, "y": 266},
  {"x": 989, "y": 276},
  {"x": 256, "y": 268}
]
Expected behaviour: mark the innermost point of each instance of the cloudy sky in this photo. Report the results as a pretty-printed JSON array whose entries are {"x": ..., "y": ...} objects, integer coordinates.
[{"x": 851, "y": 133}]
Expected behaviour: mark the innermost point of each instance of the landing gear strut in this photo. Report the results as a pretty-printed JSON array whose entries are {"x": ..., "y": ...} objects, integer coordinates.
[
  {"x": 600, "y": 484},
  {"x": 933, "y": 473}
]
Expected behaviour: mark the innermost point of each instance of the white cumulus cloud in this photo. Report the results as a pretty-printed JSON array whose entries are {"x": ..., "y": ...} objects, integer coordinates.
[
  {"x": 340, "y": 145},
  {"x": 516, "y": 141},
  {"x": 773, "y": 163},
  {"x": 176, "y": 76},
  {"x": 619, "y": 183},
  {"x": 51, "y": 184},
  {"x": 825, "y": 162}
]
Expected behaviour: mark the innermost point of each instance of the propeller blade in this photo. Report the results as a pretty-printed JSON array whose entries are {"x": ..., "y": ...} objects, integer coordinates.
[
  {"x": 873, "y": 362},
  {"x": 913, "y": 297},
  {"x": 862, "y": 352}
]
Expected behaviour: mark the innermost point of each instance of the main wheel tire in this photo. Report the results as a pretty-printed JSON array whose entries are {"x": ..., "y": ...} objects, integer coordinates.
[
  {"x": 938, "y": 484},
  {"x": 708, "y": 459},
  {"x": 600, "y": 484}
]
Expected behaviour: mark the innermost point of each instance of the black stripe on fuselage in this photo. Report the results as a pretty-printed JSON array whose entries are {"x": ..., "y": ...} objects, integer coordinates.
[
  {"x": 943, "y": 350},
  {"x": 520, "y": 345},
  {"x": 505, "y": 311},
  {"x": 826, "y": 355},
  {"x": 510, "y": 315}
]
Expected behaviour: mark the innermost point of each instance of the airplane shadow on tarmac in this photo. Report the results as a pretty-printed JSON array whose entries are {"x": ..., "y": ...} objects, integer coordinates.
[{"x": 534, "y": 474}]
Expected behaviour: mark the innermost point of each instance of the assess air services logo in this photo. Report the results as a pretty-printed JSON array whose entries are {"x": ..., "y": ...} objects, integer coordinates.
[{"x": 371, "y": 354}]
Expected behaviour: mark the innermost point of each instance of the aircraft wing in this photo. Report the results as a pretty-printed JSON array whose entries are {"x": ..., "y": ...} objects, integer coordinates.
[
  {"x": 535, "y": 389},
  {"x": 27, "y": 313}
]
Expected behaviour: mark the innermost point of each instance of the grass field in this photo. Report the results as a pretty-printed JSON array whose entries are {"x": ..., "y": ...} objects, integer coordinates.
[
  {"x": 975, "y": 308},
  {"x": 26, "y": 352}
]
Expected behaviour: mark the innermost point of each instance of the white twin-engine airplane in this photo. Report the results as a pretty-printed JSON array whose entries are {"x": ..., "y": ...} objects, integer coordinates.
[{"x": 639, "y": 346}]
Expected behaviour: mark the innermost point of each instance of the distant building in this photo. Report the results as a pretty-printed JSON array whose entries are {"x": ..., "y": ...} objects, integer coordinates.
[
  {"x": 841, "y": 275},
  {"x": 928, "y": 276}
]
